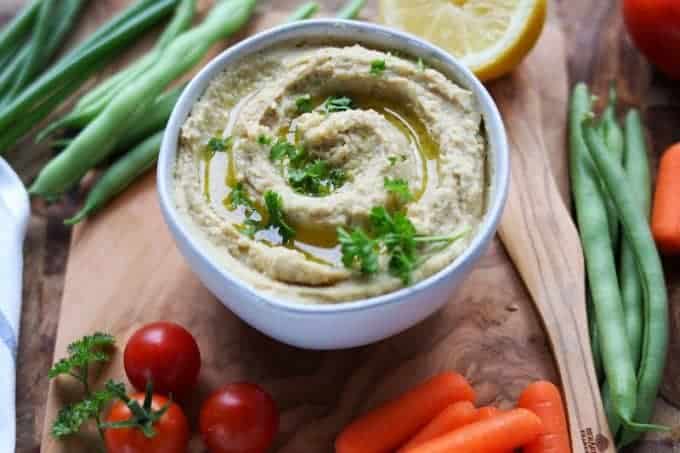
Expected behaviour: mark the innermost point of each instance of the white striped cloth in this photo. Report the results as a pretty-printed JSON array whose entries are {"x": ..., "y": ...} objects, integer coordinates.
[{"x": 12, "y": 231}]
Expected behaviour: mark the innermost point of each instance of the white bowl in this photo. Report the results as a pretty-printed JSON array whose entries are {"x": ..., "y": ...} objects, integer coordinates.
[{"x": 358, "y": 322}]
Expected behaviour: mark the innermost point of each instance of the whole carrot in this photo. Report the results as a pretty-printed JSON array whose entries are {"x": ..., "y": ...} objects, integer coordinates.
[
  {"x": 666, "y": 212},
  {"x": 389, "y": 426},
  {"x": 506, "y": 431},
  {"x": 544, "y": 399},
  {"x": 456, "y": 415},
  {"x": 487, "y": 412}
]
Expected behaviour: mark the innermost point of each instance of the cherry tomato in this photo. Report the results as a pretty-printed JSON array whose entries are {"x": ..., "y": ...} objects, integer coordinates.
[
  {"x": 172, "y": 430},
  {"x": 165, "y": 354},
  {"x": 654, "y": 26},
  {"x": 239, "y": 418}
]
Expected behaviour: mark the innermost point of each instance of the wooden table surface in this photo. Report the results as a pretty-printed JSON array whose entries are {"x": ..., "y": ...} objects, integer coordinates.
[{"x": 599, "y": 52}]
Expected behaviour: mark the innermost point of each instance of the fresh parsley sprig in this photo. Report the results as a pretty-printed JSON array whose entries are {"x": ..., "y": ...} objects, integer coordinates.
[
  {"x": 400, "y": 188},
  {"x": 396, "y": 236},
  {"x": 276, "y": 218},
  {"x": 304, "y": 103},
  {"x": 83, "y": 354},
  {"x": 336, "y": 104},
  {"x": 378, "y": 67}
]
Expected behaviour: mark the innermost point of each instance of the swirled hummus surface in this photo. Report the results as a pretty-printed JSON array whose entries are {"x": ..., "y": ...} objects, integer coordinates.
[{"x": 327, "y": 129}]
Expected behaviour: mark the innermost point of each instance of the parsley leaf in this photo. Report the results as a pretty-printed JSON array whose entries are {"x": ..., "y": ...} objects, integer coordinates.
[
  {"x": 263, "y": 139},
  {"x": 219, "y": 145},
  {"x": 239, "y": 197},
  {"x": 83, "y": 353},
  {"x": 397, "y": 237},
  {"x": 378, "y": 67},
  {"x": 400, "y": 188},
  {"x": 358, "y": 250},
  {"x": 304, "y": 103},
  {"x": 338, "y": 104},
  {"x": 316, "y": 178},
  {"x": 71, "y": 418},
  {"x": 274, "y": 204},
  {"x": 392, "y": 160},
  {"x": 284, "y": 149}
]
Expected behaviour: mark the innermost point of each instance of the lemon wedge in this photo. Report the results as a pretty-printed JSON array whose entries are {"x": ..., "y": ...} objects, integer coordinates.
[{"x": 490, "y": 36}]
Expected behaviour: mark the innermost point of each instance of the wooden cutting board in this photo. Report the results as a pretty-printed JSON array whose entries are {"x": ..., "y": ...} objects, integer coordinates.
[{"x": 124, "y": 271}]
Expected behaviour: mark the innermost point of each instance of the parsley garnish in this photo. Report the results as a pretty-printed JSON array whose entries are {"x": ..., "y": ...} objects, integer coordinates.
[
  {"x": 239, "y": 197},
  {"x": 284, "y": 149},
  {"x": 304, "y": 103},
  {"x": 358, "y": 250},
  {"x": 399, "y": 187},
  {"x": 71, "y": 418},
  {"x": 220, "y": 145},
  {"x": 83, "y": 354},
  {"x": 396, "y": 236},
  {"x": 304, "y": 175},
  {"x": 263, "y": 139},
  {"x": 378, "y": 67},
  {"x": 338, "y": 104},
  {"x": 274, "y": 205},
  {"x": 316, "y": 178},
  {"x": 392, "y": 160}
]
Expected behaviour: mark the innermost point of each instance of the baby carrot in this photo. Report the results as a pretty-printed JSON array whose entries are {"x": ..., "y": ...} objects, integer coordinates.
[
  {"x": 506, "y": 431},
  {"x": 544, "y": 399},
  {"x": 456, "y": 415},
  {"x": 666, "y": 212},
  {"x": 487, "y": 412},
  {"x": 389, "y": 426}
]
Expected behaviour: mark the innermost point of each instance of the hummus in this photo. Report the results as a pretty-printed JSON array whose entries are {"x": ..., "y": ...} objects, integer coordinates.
[{"x": 367, "y": 117}]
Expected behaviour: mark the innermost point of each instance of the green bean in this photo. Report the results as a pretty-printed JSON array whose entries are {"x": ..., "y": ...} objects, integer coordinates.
[
  {"x": 70, "y": 11},
  {"x": 594, "y": 339},
  {"x": 303, "y": 12},
  {"x": 11, "y": 72},
  {"x": 93, "y": 103},
  {"x": 120, "y": 176},
  {"x": 591, "y": 215},
  {"x": 613, "y": 137},
  {"x": 636, "y": 164},
  {"x": 13, "y": 33},
  {"x": 351, "y": 10},
  {"x": 148, "y": 123},
  {"x": 610, "y": 411},
  {"x": 96, "y": 142},
  {"x": 638, "y": 234},
  {"x": 37, "y": 48},
  {"x": 82, "y": 65}
]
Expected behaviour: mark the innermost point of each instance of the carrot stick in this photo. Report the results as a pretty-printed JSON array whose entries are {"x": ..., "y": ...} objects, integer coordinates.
[
  {"x": 456, "y": 415},
  {"x": 506, "y": 431},
  {"x": 544, "y": 399},
  {"x": 487, "y": 412},
  {"x": 389, "y": 426},
  {"x": 666, "y": 212}
]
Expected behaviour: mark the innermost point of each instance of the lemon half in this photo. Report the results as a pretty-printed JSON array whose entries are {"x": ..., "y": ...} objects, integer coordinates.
[{"x": 490, "y": 36}]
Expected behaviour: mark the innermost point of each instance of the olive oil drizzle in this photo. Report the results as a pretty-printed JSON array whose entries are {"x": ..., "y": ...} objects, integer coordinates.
[{"x": 317, "y": 243}]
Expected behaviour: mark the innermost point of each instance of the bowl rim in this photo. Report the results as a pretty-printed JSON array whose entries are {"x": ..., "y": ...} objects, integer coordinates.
[{"x": 495, "y": 132}]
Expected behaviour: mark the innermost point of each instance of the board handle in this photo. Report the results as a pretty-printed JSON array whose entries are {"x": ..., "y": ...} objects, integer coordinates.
[{"x": 543, "y": 242}]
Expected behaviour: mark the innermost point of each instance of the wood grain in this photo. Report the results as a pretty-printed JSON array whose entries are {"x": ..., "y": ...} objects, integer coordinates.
[{"x": 598, "y": 51}]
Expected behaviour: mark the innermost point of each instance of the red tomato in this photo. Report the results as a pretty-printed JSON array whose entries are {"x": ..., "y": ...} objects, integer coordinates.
[
  {"x": 172, "y": 430},
  {"x": 655, "y": 28},
  {"x": 166, "y": 354},
  {"x": 239, "y": 418}
]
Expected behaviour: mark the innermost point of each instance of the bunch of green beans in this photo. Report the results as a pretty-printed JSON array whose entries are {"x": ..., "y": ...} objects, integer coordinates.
[
  {"x": 32, "y": 102},
  {"x": 28, "y": 44},
  {"x": 94, "y": 102},
  {"x": 99, "y": 139},
  {"x": 609, "y": 168},
  {"x": 144, "y": 151}
]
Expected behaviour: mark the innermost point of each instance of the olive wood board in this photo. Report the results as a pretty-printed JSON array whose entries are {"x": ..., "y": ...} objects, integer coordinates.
[{"x": 124, "y": 271}]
